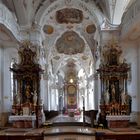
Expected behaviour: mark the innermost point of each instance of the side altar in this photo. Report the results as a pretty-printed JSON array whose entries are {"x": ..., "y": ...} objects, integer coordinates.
[
  {"x": 27, "y": 106},
  {"x": 115, "y": 103}
]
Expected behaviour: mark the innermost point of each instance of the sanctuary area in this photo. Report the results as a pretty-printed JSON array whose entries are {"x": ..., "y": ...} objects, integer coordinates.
[{"x": 69, "y": 68}]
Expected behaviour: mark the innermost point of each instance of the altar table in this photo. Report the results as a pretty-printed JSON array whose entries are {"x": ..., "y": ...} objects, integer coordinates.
[
  {"x": 25, "y": 121},
  {"x": 118, "y": 121}
]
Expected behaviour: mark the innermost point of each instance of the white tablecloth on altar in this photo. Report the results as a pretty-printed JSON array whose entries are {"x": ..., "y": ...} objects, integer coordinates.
[
  {"x": 22, "y": 118},
  {"x": 120, "y": 117},
  {"x": 15, "y": 118}
]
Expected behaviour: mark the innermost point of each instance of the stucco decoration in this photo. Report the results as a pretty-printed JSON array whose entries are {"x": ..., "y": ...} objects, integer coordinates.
[
  {"x": 84, "y": 57},
  {"x": 56, "y": 57},
  {"x": 71, "y": 63},
  {"x": 69, "y": 15},
  {"x": 70, "y": 43}
]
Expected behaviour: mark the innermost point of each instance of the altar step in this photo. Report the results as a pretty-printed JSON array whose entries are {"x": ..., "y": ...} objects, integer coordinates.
[
  {"x": 69, "y": 133},
  {"x": 65, "y": 120},
  {"x": 70, "y": 124}
]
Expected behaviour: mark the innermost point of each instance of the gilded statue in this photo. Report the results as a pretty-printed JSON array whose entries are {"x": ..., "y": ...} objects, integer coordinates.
[{"x": 28, "y": 91}]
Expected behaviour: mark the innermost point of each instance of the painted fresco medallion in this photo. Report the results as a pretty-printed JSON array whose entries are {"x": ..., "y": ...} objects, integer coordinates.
[{"x": 91, "y": 29}]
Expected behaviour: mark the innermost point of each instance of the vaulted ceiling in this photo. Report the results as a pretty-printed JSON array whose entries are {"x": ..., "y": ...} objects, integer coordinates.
[{"x": 70, "y": 28}]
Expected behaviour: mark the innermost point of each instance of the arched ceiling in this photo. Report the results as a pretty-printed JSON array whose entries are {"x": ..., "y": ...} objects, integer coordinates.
[
  {"x": 69, "y": 33},
  {"x": 58, "y": 19},
  {"x": 27, "y": 10},
  {"x": 6, "y": 37}
]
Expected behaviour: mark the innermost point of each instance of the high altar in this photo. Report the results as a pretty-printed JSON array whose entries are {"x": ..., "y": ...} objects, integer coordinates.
[
  {"x": 115, "y": 103},
  {"x": 26, "y": 108}
]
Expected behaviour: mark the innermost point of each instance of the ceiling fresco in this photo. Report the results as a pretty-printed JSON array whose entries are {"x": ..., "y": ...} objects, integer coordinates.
[
  {"x": 70, "y": 29},
  {"x": 69, "y": 15},
  {"x": 70, "y": 43}
]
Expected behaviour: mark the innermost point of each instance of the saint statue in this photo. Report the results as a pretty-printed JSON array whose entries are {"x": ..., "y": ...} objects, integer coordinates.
[
  {"x": 113, "y": 92},
  {"x": 35, "y": 98},
  {"x": 123, "y": 98},
  {"x": 28, "y": 91},
  {"x": 17, "y": 98},
  {"x": 106, "y": 97}
]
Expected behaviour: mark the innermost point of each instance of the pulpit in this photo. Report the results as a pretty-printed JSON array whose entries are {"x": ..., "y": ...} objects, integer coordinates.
[
  {"x": 26, "y": 87},
  {"x": 115, "y": 103}
]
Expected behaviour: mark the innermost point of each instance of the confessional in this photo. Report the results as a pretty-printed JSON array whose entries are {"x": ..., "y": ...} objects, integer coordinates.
[
  {"x": 27, "y": 106},
  {"x": 115, "y": 103}
]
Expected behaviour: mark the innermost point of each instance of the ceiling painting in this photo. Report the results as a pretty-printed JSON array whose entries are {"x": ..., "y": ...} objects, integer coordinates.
[
  {"x": 70, "y": 43},
  {"x": 69, "y": 15}
]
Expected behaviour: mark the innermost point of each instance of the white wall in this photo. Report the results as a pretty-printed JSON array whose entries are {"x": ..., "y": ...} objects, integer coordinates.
[
  {"x": 131, "y": 54},
  {"x": 9, "y": 53},
  {"x": 6, "y": 55},
  {"x": 138, "y": 85},
  {"x": 43, "y": 93},
  {"x": 1, "y": 84}
]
